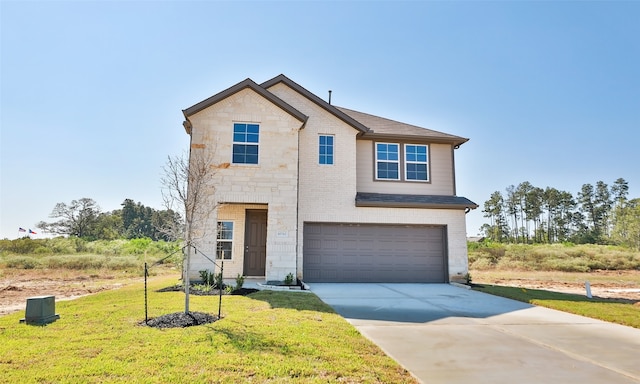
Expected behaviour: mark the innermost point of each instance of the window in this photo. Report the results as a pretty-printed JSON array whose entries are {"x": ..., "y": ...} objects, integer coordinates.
[
  {"x": 225, "y": 240},
  {"x": 415, "y": 162},
  {"x": 326, "y": 149},
  {"x": 245, "y": 143},
  {"x": 387, "y": 161}
]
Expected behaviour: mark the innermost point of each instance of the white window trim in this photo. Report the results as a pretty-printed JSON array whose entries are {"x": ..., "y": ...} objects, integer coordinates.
[
  {"x": 406, "y": 162},
  {"x": 218, "y": 240},
  {"x": 375, "y": 170},
  {"x": 245, "y": 143},
  {"x": 332, "y": 146}
]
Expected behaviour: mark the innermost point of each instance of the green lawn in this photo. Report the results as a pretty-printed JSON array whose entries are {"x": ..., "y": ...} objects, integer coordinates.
[
  {"x": 268, "y": 336},
  {"x": 625, "y": 312}
]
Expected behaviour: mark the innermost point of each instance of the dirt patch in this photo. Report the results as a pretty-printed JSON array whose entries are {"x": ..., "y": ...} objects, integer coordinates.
[
  {"x": 16, "y": 285},
  {"x": 605, "y": 284}
]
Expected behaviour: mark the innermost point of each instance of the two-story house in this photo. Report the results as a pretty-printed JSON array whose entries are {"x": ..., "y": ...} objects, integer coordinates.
[{"x": 325, "y": 193}]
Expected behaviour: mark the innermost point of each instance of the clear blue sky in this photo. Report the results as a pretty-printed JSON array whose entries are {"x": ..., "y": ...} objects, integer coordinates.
[{"x": 92, "y": 92}]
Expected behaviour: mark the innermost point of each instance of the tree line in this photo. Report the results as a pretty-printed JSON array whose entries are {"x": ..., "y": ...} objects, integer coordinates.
[
  {"x": 598, "y": 214},
  {"x": 84, "y": 219}
]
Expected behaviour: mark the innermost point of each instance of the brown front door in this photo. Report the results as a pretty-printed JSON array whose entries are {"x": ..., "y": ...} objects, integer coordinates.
[{"x": 255, "y": 243}]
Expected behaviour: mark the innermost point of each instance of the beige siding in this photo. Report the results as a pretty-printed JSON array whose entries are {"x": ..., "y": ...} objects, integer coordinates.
[{"x": 440, "y": 168}]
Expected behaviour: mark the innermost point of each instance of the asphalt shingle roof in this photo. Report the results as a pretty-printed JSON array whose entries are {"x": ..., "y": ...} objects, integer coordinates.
[{"x": 382, "y": 127}]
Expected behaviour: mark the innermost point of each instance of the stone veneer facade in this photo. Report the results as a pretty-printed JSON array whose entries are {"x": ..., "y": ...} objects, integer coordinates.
[{"x": 271, "y": 184}]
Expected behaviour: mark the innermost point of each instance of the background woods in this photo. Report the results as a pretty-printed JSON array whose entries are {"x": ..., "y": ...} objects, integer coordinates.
[
  {"x": 83, "y": 218},
  {"x": 598, "y": 214}
]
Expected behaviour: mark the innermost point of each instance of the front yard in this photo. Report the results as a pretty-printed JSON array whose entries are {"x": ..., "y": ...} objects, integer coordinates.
[{"x": 264, "y": 337}]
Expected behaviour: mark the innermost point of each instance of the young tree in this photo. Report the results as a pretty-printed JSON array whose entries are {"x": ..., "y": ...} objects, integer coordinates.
[{"x": 188, "y": 189}]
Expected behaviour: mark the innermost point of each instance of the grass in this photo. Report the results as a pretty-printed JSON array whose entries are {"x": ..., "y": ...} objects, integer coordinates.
[
  {"x": 625, "y": 312},
  {"x": 273, "y": 337}
]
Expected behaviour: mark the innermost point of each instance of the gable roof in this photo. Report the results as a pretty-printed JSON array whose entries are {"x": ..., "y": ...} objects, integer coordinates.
[
  {"x": 318, "y": 101},
  {"x": 379, "y": 127},
  {"x": 367, "y": 125},
  {"x": 248, "y": 83}
]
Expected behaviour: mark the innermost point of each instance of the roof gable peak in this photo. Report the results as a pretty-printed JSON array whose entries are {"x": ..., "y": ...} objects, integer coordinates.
[
  {"x": 317, "y": 100},
  {"x": 247, "y": 83}
]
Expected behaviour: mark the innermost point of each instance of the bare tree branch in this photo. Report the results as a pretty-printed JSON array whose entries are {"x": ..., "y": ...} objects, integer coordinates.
[{"x": 188, "y": 188}]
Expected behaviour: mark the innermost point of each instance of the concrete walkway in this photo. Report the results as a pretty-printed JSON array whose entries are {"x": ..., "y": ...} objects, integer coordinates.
[{"x": 446, "y": 334}]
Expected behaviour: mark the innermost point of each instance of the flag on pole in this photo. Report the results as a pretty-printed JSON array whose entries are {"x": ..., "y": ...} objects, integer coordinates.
[
  {"x": 30, "y": 232},
  {"x": 22, "y": 229}
]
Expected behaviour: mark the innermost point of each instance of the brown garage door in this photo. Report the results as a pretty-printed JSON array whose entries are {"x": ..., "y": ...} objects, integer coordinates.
[{"x": 374, "y": 253}]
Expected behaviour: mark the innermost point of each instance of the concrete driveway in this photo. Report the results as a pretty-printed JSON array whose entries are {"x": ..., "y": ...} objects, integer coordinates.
[{"x": 446, "y": 334}]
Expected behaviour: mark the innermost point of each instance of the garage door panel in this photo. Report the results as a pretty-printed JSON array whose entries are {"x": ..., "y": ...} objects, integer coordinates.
[{"x": 373, "y": 253}]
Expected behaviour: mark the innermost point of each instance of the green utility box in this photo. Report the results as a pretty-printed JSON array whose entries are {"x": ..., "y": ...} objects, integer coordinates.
[{"x": 40, "y": 310}]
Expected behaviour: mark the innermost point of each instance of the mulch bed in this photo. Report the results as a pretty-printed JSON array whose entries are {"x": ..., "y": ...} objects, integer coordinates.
[
  {"x": 198, "y": 291},
  {"x": 182, "y": 319}
]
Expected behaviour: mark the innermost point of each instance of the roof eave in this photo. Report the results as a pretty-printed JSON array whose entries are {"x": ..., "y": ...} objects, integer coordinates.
[
  {"x": 388, "y": 204},
  {"x": 455, "y": 141}
]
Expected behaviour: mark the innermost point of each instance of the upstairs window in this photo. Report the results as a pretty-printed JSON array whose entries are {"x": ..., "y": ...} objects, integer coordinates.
[
  {"x": 245, "y": 143},
  {"x": 415, "y": 162},
  {"x": 326, "y": 149},
  {"x": 387, "y": 161},
  {"x": 224, "y": 240}
]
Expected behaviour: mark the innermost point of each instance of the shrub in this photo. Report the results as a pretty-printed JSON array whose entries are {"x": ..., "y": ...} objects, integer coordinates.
[
  {"x": 211, "y": 279},
  {"x": 22, "y": 262},
  {"x": 137, "y": 246},
  {"x": 207, "y": 277},
  {"x": 77, "y": 262},
  {"x": 41, "y": 250},
  {"x": 218, "y": 281},
  {"x": 239, "y": 281},
  {"x": 21, "y": 246},
  {"x": 289, "y": 279},
  {"x": 67, "y": 246},
  {"x": 481, "y": 264}
]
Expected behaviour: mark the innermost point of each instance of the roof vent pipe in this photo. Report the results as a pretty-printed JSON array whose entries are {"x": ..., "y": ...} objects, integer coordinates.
[{"x": 329, "y": 96}]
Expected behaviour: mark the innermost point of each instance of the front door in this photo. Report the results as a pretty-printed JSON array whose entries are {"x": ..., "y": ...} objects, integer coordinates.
[{"x": 255, "y": 243}]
